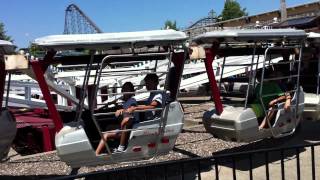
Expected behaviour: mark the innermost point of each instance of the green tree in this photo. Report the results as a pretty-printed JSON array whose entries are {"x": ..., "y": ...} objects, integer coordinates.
[
  {"x": 34, "y": 49},
  {"x": 170, "y": 25},
  {"x": 232, "y": 9},
  {"x": 3, "y": 35}
]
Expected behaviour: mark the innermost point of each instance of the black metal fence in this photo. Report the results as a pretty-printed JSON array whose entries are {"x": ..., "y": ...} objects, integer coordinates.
[{"x": 237, "y": 164}]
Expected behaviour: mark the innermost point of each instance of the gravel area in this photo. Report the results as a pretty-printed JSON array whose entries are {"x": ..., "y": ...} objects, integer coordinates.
[{"x": 192, "y": 142}]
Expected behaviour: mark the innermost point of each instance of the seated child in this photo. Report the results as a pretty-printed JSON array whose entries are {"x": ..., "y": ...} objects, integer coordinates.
[{"x": 126, "y": 119}]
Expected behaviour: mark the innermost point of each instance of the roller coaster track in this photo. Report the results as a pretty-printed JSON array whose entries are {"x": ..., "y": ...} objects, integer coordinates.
[
  {"x": 203, "y": 22},
  {"x": 77, "y": 22}
]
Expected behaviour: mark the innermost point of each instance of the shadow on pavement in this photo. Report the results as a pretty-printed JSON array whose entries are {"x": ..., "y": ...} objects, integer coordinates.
[{"x": 307, "y": 134}]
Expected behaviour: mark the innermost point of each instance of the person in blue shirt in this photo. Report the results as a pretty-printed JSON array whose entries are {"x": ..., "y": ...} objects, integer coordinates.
[{"x": 127, "y": 119}]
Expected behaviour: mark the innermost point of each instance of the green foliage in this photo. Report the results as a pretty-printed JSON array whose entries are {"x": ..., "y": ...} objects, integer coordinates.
[
  {"x": 3, "y": 35},
  {"x": 36, "y": 51},
  {"x": 170, "y": 25},
  {"x": 232, "y": 9}
]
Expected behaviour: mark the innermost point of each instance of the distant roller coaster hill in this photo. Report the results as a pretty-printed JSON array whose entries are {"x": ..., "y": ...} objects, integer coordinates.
[
  {"x": 77, "y": 22},
  {"x": 305, "y": 16}
]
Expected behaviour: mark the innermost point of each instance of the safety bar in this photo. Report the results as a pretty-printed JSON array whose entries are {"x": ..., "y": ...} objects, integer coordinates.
[
  {"x": 277, "y": 109},
  {"x": 286, "y": 62},
  {"x": 131, "y": 62},
  {"x": 125, "y": 70},
  {"x": 118, "y": 87},
  {"x": 122, "y": 130},
  {"x": 280, "y": 78},
  {"x": 112, "y": 113},
  {"x": 275, "y": 94},
  {"x": 131, "y": 73},
  {"x": 241, "y": 64},
  {"x": 137, "y": 92},
  {"x": 75, "y": 66}
]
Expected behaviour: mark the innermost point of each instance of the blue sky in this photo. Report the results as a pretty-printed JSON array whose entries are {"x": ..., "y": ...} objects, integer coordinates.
[{"x": 27, "y": 20}]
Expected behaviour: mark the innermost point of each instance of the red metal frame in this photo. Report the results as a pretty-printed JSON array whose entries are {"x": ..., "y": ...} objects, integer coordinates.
[
  {"x": 39, "y": 68},
  {"x": 39, "y": 71},
  {"x": 210, "y": 54},
  {"x": 46, "y": 139},
  {"x": 37, "y": 119}
]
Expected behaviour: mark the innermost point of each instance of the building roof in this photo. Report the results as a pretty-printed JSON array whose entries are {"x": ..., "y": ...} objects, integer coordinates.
[{"x": 302, "y": 22}]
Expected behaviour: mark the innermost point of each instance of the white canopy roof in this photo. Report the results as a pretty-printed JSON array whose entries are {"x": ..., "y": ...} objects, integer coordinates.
[
  {"x": 314, "y": 37},
  {"x": 6, "y": 47},
  {"x": 250, "y": 35},
  {"x": 111, "y": 40}
]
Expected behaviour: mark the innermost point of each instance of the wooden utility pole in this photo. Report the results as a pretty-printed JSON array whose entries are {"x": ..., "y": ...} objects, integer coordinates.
[{"x": 283, "y": 10}]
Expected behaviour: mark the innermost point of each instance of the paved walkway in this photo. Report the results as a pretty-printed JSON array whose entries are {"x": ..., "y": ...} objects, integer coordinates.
[
  {"x": 259, "y": 172},
  {"x": 309, "y": 133}
]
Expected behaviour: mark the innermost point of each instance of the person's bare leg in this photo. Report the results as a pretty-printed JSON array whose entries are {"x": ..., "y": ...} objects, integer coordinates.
[
  {"x": 123, "y": 136},
  {"x": 102, "y": 144},
  {"x": 268, "y": 117},
  {"x": 124, "y": 133}
]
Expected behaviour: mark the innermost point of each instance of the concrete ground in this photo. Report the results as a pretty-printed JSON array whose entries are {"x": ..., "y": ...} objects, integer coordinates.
[{"x": 309, "y": 133}]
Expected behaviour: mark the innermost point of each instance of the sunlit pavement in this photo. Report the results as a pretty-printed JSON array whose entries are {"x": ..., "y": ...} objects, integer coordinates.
[{"x": 309, "y": 133}]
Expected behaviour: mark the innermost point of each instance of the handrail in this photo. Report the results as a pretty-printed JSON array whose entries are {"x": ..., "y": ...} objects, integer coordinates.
[
  {"x": 280, "y": 78},
  {"x": 274, "y": 94},
  {"x": 137, "y": 92},
  {"x": 129, "y": 73},
  {"x": 112, "y": 113},
  {"x": 122, "y": 130},
  {"x": 249, "y": 64}
]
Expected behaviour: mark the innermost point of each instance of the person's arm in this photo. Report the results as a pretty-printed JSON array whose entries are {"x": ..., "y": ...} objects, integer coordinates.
[
  {"x": 275, "y": 101},
  {"x": 285, "y": 97},
  {"x": 287, "y": 104},
  {"x": 119, "y": 112},
  {"x": 152, "y": 105}
]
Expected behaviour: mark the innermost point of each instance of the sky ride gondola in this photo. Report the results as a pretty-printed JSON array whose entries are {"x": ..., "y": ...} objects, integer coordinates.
[
  {"x": 241, "y": 122},
  {"x": 311, "y": 78},
  {"x": 8, "y": 127},
  {"x": 76, "y": 143}
]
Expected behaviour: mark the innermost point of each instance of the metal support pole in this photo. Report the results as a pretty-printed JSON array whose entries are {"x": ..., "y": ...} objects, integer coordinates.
[
  {"x": 210, "y": 54},
  {"x": 2, "y": 80},
  {"x": 318, "y": 75},
  {"x": 54, "y": 114},
  {"x": 250, "y": 76},
  {"x": 8, "y": 88},
  {"x": 223, "y": 64}
]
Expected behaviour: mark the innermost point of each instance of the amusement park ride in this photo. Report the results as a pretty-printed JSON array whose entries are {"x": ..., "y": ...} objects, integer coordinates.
[
  {"x": 242, "y": 123},
  {"x": 311, "y": 78},
  {"x": 8, "y": 124},
  {"x": 77, "y": 129}
]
